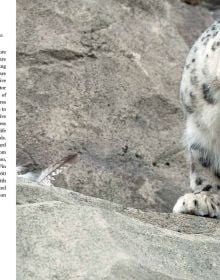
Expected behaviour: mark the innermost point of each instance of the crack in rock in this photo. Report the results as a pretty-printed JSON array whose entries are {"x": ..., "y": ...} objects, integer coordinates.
[{"x": 50, "y": 56}]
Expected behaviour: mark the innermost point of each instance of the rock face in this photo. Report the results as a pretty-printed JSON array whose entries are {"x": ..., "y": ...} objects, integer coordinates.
[
  {"x": 66, "y": 235},
  {"x": 101, "y": 79}
]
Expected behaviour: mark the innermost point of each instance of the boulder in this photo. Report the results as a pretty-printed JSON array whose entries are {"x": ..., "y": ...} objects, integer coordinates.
[{"x": 100, "y": 79}]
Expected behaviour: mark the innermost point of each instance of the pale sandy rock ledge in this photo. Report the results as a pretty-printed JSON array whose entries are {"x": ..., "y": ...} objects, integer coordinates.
[{"x": 64, "y": 235}]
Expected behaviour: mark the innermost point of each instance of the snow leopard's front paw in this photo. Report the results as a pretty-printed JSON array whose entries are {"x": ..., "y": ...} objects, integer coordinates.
[{"x": 200, "y": 204}]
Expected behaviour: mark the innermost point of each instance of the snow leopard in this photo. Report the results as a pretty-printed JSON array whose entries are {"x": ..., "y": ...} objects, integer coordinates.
[{"x": 200, "y": 99}]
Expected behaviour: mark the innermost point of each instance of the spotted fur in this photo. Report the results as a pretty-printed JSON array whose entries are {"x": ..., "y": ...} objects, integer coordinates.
[{"x": 200, "y": 97}]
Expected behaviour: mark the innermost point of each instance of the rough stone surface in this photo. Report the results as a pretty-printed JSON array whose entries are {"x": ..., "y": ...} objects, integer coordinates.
[
  {"x": 66, "y": 235},
  {"x": 101, "y": 79}
]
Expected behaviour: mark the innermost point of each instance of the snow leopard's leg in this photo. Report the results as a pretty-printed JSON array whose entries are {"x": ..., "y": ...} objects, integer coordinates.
[
  {"x": 203, "y": 144},
  {"x": 205, "y": 184},
  {"x": 200, "y": 94}
]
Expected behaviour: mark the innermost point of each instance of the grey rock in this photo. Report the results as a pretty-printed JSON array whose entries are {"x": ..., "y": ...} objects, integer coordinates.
[
  {"x": 66, "y": 235},
  {"x": 100, "y": 79}
]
